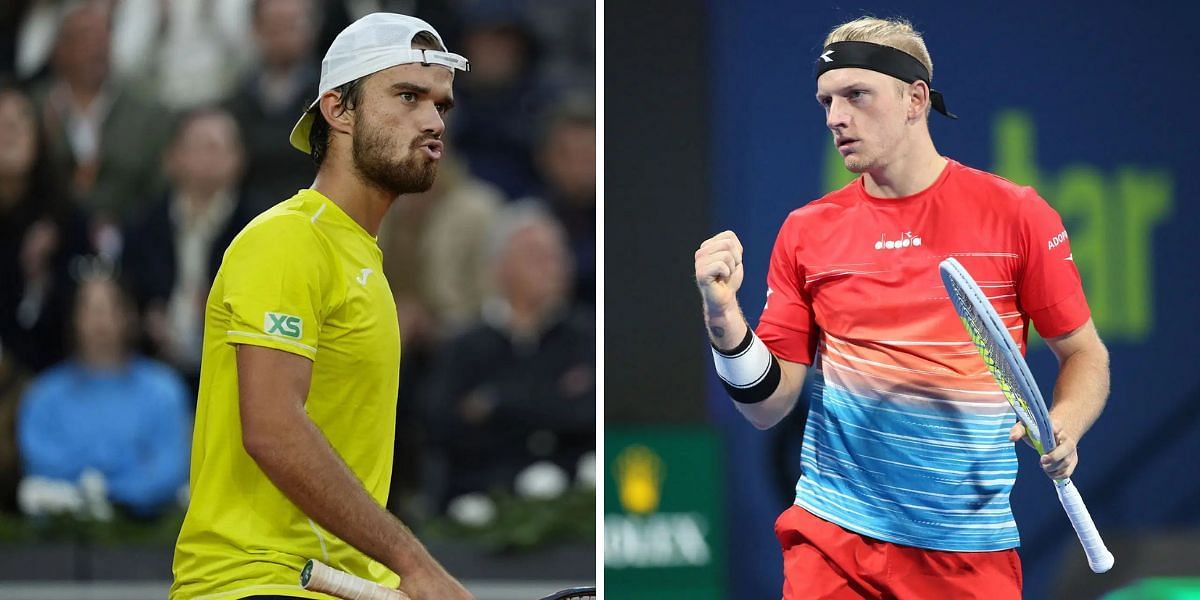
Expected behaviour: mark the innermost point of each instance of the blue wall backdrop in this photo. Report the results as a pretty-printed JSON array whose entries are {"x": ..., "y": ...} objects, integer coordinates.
[{"x": 1094, "y": 104}]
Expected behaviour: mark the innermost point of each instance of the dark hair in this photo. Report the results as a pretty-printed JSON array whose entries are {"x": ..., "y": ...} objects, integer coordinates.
[
  {"x": 46, "y": 184},
  {"x": 86, "y": 270},
  {"x": 256, "y": 7},
  {"x": 577, "y": 109},
  {"x": 351, "y": 95},
  {"x": 318, "y": 135},
  {"x": 181, "y": 122}
]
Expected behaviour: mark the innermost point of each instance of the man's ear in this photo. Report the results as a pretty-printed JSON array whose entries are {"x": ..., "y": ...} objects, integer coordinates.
[
  {"x": 335, "y": 112},
  {"x": 918, "y": 99}
]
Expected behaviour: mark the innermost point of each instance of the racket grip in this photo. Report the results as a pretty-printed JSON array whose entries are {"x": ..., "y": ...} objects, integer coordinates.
[
  {"x": 1098, "y": 556},
  {"x": 320, "y": 577}
]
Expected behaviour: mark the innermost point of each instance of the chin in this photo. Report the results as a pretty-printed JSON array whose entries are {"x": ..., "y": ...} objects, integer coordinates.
[{"x": 855, "y": 164}]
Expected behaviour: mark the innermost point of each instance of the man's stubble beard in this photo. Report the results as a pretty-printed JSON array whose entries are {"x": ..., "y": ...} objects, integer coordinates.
[{"x": 373, "y": 159}]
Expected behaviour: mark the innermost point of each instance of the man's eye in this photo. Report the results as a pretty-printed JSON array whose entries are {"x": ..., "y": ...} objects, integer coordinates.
[{"x": 408, "y": 97}]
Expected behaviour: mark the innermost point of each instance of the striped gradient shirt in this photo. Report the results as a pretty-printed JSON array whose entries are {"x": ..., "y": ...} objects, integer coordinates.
[{"x": 907, "y": 434}]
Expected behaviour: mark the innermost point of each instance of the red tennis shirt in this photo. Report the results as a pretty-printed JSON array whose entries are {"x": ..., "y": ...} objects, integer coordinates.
[{"x": 907, "y": 438}]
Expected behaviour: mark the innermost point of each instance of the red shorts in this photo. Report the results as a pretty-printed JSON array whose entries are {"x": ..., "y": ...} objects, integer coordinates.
[{"x": 823, "y": 560}]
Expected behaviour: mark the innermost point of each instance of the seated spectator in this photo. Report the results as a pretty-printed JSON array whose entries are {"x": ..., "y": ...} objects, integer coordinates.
[
  {"x": 496, "y": 108},
  {"x": 118, "y": 418},
  {"x": 103, "y": 137},
  {"x": 168, "y": 47},
  {"x": 39, "y": 234},
  {"x": 434, "y": 254},
  {"x": 274, "y": 94},
  {"x": 519, "y": 387},
  {"x": 433, "y": 257},
  {"x": 566, "y": 158},
  {"x": 173, "y": 252}
]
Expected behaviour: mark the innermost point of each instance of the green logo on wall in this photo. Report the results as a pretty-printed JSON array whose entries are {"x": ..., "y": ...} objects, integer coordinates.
[{"x": 663, "y": 518}]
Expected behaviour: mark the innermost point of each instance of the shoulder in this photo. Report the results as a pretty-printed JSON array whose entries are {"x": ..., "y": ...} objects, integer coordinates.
[
  {"x": 992, "y": 187},
  {"x": 287, "y": 228},
  {"x": 825, "y": 209},
  {"x": 51, "y": 380},
  {"x": 153, "y": 370},
  {"x": 157, "y": 376}
]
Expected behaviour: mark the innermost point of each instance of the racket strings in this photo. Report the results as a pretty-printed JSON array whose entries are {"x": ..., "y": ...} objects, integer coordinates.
[{"x": 988, "y": 352}]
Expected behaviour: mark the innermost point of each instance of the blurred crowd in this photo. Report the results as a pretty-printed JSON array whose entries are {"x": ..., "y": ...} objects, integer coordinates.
[{"x": 137, "y": 137}]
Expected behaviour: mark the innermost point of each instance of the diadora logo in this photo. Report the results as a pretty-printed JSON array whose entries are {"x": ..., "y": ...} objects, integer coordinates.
[
  {"x": 285, "y": 325},
  {"x": 1056, "y": 240},
  {"x": 825, "y": 56},
  {"x": 906, "y": 239}
]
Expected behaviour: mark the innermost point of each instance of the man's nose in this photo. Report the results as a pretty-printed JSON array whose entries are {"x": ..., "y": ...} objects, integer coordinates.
[
  {"x": 432, "y": 122},
  {"x": 837, "y": 116}
]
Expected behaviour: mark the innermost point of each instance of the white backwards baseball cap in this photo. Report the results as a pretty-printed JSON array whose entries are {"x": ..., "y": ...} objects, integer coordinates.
[{"x": 373, "y": 43}]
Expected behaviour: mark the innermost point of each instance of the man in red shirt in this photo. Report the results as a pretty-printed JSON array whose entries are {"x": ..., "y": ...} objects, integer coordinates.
[{"x": 907, "y": 459}]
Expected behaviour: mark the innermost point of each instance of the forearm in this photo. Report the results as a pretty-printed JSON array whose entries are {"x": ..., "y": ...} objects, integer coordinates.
[
  {"x": 301, "y": 463},
  {"x": 1081, "y": 391},
  {"x": 769, "y": 412},
  {"x": 763, "y": 387},
  {"x": 726, "y": 326}
]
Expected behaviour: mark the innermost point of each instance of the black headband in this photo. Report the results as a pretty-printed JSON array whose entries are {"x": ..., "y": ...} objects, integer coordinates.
[{"x": 882, "y": 59}]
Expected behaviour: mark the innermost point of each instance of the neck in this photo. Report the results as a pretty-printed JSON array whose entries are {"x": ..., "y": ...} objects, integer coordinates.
[
  {"x": 83, "y": 93},
  {"x": 200, "y": 195},
  {"x": 530, "y": 316},
  {"x": 911, "y": 170},
  {"x": 279, "y": 71},
  {"x": 102, "y": 359},
  {"x": 364, "y": 203}
]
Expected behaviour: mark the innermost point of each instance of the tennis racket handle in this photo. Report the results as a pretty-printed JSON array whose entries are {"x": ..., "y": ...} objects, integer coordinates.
[
  {"x": 320, "y": 577},
  {"x": 1099, "y": 558}
]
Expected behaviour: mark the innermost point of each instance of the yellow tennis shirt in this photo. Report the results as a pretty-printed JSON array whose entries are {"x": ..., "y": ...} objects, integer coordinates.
[{"x": 302, "y": 277}]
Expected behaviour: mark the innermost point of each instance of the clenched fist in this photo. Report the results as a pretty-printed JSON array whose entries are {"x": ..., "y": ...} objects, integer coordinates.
[{"x": 719, "y": 271}]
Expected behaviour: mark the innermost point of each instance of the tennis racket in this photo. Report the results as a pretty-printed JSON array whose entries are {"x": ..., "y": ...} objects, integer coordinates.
[
  {"x": 320, "y": 577},
  {"x": 1008, "y": 368},
  {"x": 576, "y": 593}
]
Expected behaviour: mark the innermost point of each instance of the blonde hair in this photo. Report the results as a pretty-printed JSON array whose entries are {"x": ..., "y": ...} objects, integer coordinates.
[{"x": 897, "y": 33}]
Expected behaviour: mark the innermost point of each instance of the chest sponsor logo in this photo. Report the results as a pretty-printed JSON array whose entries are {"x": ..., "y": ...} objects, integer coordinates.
[
  {"x": 285, "y": 325},
  {"x": 904, "y": 240}
]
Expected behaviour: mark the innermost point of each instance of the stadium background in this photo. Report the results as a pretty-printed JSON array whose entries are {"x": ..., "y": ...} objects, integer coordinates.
[
  {"x": 181, "y": 84},
  {"x": 712, "y": 125}
]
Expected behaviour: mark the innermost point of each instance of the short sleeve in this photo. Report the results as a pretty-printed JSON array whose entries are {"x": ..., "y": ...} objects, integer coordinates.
[
  {"x": 274, "y": 280},
  {"x": 1050, "y": 290},
  {"x": 787, "y": 324}
]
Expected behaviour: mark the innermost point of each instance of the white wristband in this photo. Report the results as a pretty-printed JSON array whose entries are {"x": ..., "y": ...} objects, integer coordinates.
[{"x": 746, "y": 365}]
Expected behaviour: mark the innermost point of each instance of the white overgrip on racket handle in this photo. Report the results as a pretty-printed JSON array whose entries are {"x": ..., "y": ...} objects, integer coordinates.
[
  {"x": 320, "y": 577},
  {"x": 1098, "y": 556}
]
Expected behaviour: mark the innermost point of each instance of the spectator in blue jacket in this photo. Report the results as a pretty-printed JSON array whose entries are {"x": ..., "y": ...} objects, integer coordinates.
[{"x": 107, "y": 411}]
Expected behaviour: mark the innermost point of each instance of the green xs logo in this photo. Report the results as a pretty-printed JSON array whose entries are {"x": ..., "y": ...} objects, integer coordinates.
[{"x": 285, "y": 325}]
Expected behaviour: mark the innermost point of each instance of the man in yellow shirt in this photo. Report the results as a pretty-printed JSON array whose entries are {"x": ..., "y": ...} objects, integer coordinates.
[{"x": 295, "y": 421}]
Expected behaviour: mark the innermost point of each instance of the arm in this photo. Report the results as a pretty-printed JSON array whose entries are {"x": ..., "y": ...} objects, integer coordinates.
[
  {"x": 719, "y": 274},
  {"x": 1080, "y": 393},
  {"x": 45, "y": 450},
  {"x": 277, "y": 433},
  {"x": 153, "y": 476}
]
